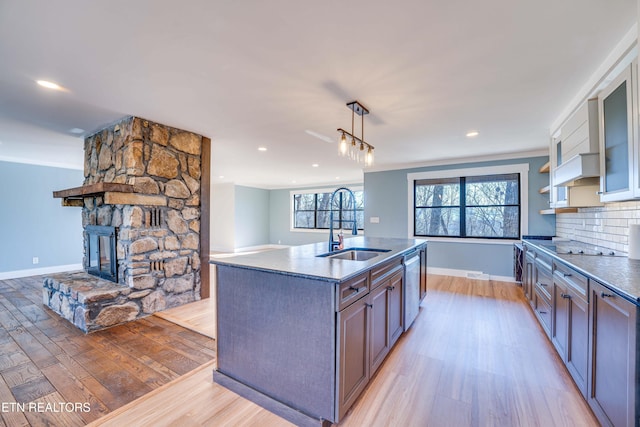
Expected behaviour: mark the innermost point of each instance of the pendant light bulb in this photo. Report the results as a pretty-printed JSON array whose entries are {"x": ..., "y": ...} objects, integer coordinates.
[
  {"x": 343, "y": 147},
  {"x": 369, "y": 157}
]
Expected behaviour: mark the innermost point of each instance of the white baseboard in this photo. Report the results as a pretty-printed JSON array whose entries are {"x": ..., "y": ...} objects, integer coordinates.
[
  {"x": 478, "y": 275},
  {"x": 39, "y": 271},
  {"x": 246, "y": 250},
  {"x": 259, "y": 248}
]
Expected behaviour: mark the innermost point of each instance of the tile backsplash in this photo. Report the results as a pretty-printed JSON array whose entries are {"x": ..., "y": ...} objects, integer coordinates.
[{"x": 606, "y": 226}]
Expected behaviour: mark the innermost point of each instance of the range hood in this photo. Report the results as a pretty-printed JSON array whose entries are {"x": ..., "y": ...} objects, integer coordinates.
[{"x": 581, "y": 169}]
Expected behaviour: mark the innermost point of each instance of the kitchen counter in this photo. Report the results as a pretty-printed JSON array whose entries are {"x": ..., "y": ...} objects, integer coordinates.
[
  {"x": 619, "y": 273},
  {"x": 303, "y": 261}
]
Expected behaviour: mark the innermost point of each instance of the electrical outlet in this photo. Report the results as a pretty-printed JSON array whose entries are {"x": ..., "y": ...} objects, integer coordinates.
[
  {"x": 35, "y": 260},
  {"x": 374, "y": 220}
]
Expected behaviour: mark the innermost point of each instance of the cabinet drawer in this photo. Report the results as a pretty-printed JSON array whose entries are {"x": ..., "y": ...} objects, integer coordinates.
[
  {"x": 544, "y": 280},
  {"x": 542, "y": 308},
  {"x": 378, "y": 274},
  {"x": 544, "y": 261},
  {"x": 351, "y": 290},
  {"x": 578, "y": 282}
]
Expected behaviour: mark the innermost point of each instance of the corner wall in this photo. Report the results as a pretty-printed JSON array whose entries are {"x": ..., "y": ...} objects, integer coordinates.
[{"x": 34, "y": 224}]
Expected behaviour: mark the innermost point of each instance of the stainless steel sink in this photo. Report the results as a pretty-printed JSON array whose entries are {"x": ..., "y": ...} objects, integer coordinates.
[{"x": 355, "y": 254}]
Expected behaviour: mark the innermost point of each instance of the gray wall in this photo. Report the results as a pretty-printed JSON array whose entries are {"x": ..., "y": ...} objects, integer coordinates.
[
  {"x": 251, "y": 216},
  {"x": 386, "y": 197},
  {"x": 32, "y": 222}
]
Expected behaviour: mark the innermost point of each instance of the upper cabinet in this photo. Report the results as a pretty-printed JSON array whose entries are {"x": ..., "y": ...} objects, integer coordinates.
[{"x": 618, "y": 138}]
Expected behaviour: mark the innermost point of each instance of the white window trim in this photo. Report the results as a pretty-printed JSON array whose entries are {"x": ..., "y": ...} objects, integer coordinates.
[
  {"x": 313, "y": 191},
  {"x": 521, "y": 168}
]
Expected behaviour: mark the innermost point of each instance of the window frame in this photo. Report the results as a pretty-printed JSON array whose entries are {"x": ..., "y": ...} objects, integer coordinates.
[
  {"x": 317, "y": 191},
  {"x": 522, "y": 169}
]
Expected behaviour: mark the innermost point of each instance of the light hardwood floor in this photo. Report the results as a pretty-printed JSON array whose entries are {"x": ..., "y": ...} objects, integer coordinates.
[{"x": 474, "y": 357}]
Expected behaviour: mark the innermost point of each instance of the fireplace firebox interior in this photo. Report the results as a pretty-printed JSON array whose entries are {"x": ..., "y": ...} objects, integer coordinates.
[{"x": 101, "y": 252}]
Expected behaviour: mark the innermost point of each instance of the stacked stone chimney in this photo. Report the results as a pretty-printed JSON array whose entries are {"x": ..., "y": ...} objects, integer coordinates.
[{"x": 158, "y": 223}]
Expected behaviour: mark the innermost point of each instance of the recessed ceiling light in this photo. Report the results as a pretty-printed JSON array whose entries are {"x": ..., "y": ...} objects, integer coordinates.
[
  {"x": 262, "y": 148},
  {"x": 221, "y": 177},
  {"x": 49, "y": 85},
  {"x": 472, "y": 133},
  {"x": 77, "y": 131},
  {"x": 315, "y": 165},
  {"x": 294, "y": 181},
  {"x": 337, "y": 177}
]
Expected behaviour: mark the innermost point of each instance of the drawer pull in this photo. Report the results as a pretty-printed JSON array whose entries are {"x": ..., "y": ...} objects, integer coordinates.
[
  {"x": 542, "y": 312},
  {"x": 566, "y": 274},
  {"x": 390, "y": 288},
  {"x": 542, "y": 284},
  {"x": 565, "y": 296},
  {"x": 353, "y": 288},
  {"x": 603, "y": 295}
]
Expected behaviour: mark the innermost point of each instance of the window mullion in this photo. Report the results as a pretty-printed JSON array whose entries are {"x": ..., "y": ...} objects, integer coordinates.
[{"x": 463, "y": 210}]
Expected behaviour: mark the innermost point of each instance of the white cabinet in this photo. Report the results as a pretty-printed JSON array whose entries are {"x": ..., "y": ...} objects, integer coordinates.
[
  {"x": 575, "y": 161},
  {"x": 618, "y": 138}
]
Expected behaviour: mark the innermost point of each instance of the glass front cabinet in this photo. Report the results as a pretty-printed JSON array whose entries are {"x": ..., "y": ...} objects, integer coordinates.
[{"x": 619, "y": 138}]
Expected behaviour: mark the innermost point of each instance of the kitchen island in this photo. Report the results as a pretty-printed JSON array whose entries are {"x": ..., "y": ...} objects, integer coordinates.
[{"x": 300, "y": 331}]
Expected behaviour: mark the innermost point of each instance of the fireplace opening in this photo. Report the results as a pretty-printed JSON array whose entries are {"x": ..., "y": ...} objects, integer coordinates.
[{"x": 101, "y": 252}]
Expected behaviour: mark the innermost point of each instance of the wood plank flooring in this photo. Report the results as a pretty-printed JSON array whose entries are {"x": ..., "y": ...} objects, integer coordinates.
[
  {"x": 44, "y": 359},
  {"x": 474, "y": 357},
  {"x": 199, "y": 316}
]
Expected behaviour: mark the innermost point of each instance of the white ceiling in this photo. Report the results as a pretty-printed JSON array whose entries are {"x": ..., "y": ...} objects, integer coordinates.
[{"x": 262, "y": 73}]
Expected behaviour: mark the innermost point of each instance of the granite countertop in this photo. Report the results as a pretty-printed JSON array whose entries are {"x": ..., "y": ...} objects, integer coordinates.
[
  {"x": 304, "y": 261},
  {"x": 619, "y": 273}
]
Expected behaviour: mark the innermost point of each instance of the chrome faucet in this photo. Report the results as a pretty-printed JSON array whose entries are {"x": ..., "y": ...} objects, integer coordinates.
[{"x": 335, "y": 244}]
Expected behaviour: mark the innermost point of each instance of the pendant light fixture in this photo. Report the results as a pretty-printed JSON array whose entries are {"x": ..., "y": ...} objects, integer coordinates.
[{"x": 350, "y": 145}]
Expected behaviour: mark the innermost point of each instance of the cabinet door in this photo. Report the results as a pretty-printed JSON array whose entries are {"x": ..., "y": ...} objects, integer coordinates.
[
  {"x": 396, "y": 307},
  {"x": 613, "y": 352},
  {"x": 617, "y": 138},
  {"x": 560, "y": 321},
  {"x": 353, "y": 322},
  {"x": 578, "y": 340},
  {"x": 528, "y": 279},
  {"x": 379, "y": 343}
]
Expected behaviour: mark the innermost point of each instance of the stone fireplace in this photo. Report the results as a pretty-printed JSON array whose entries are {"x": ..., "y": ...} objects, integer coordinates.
[{"x": 145, "y": 191}]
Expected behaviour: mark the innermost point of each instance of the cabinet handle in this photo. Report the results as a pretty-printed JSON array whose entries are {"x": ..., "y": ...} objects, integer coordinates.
[
  {"x": 368, "y": 305},
  {"x": 542, "y": 284},
  {"x": 357, "y": 289},
  {"x": 542, "y": 312},
  {"x": 599, "y": 192},
  {"x": 565, "y": 296},
  {"x": 566, "y": 274},
  {"x": 603, "y": 295},
  {"x": 390, "y": 288}
]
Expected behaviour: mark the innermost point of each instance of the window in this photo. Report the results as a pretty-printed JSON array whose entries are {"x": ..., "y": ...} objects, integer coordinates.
[
  {"x": 311, "y": 210},
  {"x": 483, "y": 206}
]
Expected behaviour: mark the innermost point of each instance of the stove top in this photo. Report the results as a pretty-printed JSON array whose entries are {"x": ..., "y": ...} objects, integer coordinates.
[{"x": 574, "y": 247}]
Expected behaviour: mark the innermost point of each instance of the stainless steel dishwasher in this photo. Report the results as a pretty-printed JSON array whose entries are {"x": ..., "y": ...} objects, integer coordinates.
[{"x": 412, "y": 287}]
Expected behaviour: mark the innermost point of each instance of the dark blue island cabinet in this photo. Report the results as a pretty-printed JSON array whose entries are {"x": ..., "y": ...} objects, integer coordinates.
[{"x": 303, "y": 340}]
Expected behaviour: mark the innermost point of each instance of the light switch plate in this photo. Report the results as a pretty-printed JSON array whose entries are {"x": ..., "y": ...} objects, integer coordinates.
[{"x": 374, "y": 220}]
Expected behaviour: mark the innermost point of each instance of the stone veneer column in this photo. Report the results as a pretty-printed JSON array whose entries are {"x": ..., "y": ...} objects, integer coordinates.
[{"x": 158, "y": 239}]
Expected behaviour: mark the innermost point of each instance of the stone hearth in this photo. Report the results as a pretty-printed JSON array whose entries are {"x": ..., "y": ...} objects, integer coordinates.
[{"x": 143, "y": 179}]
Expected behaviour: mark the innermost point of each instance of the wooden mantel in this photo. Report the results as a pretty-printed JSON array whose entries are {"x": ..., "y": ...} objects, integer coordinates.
[
  {"x": 91, "y": 190},
  {"x": 113, "y": 194}
]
